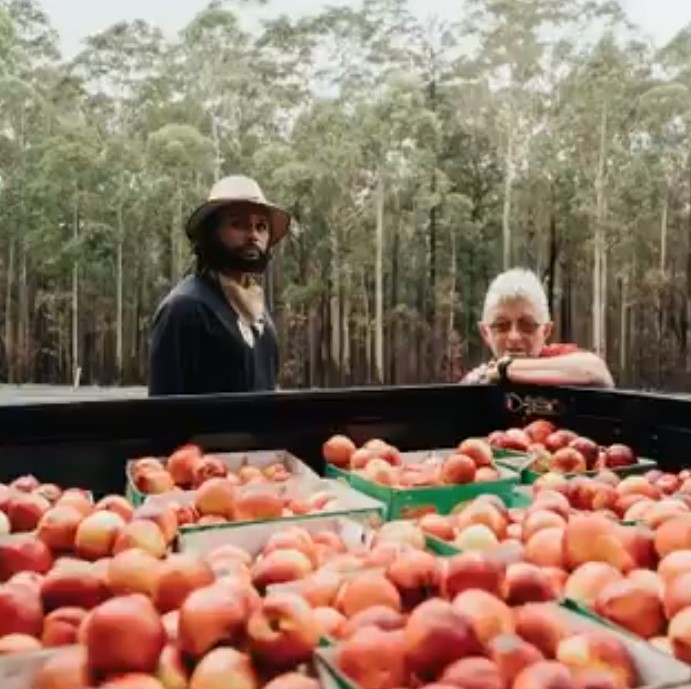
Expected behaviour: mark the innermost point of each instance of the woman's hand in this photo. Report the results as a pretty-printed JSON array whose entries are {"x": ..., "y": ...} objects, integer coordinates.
[{"x": 480, "y": 375}]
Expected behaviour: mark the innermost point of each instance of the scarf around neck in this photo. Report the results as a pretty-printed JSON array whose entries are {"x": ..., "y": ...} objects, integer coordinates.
[{"x": 246, "y": 296}]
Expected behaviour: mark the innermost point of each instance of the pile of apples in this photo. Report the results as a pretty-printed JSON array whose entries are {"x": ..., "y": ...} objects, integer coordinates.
[
  {"x": 224, "y": 635},
  {"x": 637, "y": 576},
  {"x": 189, "y": 467},
  {"x": 561, "y": 450},
  {"x": 380, "y": 462},
  {"x": 80, "y": 555},
  {"x": 220, "y": 501},
  {"x": 23, "y": 501}
]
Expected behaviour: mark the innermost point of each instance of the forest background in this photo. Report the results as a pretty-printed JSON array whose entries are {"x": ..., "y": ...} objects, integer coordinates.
[{"x": 418, "y": 159}]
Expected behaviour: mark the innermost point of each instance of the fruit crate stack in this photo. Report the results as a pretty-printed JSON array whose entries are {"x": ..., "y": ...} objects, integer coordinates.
[
  {"x": 541, "y": 448},
  {"x": 249, "y": 571},
  {"x": 411, "y": 484}
]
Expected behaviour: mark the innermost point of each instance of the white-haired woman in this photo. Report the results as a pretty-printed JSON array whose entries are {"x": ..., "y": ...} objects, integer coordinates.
[{"x": 516, "y": 325}]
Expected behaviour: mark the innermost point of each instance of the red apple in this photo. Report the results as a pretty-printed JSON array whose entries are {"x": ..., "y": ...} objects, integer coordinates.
[
  {"x": 182, "y": 463},
  {"x": 539, "y": 430},
  {"x": 21, "y": 611},
  {"x": 479, "y": 450},
  {"x": 589, "y": 449},
  {"x": 618, "y": 455},
  {"x": 23, "y": 553},
  {"x": 124, "y": 634},
  {"x": 567, "y": 460},
  {"x": 436, "y": 635},
  {"x": 338, "y": 450},
  {"x": 224, "y": 667},
  {"x": 283, "y": 632},
  {"x": 559, "y": 440},
  {"x": 211, "y": 615}
]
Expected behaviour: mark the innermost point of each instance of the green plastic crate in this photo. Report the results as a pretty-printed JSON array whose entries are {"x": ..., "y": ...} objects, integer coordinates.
[
  {"x": 411, "y": 503},
  {"x": 515, "y": 460}
]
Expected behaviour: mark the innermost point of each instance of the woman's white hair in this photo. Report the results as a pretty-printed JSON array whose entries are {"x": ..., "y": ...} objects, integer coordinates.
[{"x": 514, "y": 284}]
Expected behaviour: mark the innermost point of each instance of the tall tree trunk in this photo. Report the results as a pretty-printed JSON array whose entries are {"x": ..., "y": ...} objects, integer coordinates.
[
  {"x": 393, "y": 329},
  {"x": 599, "y": 240},
  {"x": 379, "y": 284},
  {"x": 118, "y": 297},
  {"x": 312, "y": 335},
  {"x": 334, "y": 315},
  {"x": 23, "y": 343},
  {"x": 345, "y": 326},
  {"x": 553, "y": 252},
  {"x": 9, "y": 315},
  {"x": 367, "y": 317},
  {"x": 508, "y": 188},
  {"x": 623, "y": 332},
  {"x": 451, "y": 321},
  {"x": 688, "y": 275},
  {"x": 661, "y": 287},
  {"x": 76, "y": 368}
]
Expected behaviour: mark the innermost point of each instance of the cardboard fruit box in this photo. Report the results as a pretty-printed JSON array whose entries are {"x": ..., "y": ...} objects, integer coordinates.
[
  {"x": 260, "y": 459},
  {"x": 410, "y": 503},
  {"x": 344, "y": 501},
  {"x": 655, "y": 669},
  {"x": 18, "y": 670},
  {"x": 252, "y": 537}
]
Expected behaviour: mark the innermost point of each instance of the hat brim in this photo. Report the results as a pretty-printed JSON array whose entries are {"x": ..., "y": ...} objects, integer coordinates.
[{"x": 279, "y": 219}]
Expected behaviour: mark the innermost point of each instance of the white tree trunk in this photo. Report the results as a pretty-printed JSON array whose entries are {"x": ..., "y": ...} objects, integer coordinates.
[
  {"x": 599, "y": 240},
  {"x": 664, "y": 224},
  {"x": 345, "y": 320},
  {"x": 623, "y": 323},
  {"x": 367, "y": 317},
  {"x": 9, "y": 334},
  {"x": 379, "y": 285},
  {"x": 118, "y": 296},
  {"x": 508, "y": 187},
  {"x": 75, "y": 296},
  {"x": 452, "y": 300},
  {"x": 334, "y": 304}
]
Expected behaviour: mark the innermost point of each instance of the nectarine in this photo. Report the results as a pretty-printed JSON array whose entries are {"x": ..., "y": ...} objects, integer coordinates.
[
  {"x": 338, "y": 450},
  {"x": 416, "y": 575},
  {"x": 488, "y": 615},
  {"x": 472, "y": 571},
  {"x": 283, "y": 632},
  {"x": 366, "y": 590},
  {"x": 512, "y": 654},
  {"x": 97, "y": 533},
  {"x": 436, "y": 635},
  {"x": 373, "y": 659},
  {"x": 132, "y": 571},
  {"x": 210, "y": 616},
  {"x": 124, "y": 634},
  {"x": 473, "y": 672},
  {"x": 176, "y": 577},
  {"x": 632, "y": 607}
]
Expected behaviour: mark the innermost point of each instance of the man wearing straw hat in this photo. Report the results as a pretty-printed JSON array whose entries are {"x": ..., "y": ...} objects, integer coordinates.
[{"x": 212, "y": 332}]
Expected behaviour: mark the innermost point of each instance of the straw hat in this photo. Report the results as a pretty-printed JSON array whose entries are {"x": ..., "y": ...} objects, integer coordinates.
[{"x": 238, "y": 189}]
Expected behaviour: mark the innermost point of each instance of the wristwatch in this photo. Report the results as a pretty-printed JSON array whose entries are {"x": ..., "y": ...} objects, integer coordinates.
[{"x": 503, "y": 368}]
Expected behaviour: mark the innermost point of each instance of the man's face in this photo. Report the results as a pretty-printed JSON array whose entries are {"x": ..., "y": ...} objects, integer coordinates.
[
  {"x": 245, "y": 229},
  {"x": 513, "y": 328}
]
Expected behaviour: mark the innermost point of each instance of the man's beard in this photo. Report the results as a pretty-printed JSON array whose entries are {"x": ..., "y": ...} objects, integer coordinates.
[{"x": 216, "y": 256}]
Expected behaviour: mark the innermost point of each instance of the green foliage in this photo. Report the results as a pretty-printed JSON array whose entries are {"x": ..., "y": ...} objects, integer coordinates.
[{"x": 102, "y": 158}]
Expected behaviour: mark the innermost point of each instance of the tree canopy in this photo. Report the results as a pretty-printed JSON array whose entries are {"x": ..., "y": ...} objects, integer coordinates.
[{"x": 418, "y": 159}]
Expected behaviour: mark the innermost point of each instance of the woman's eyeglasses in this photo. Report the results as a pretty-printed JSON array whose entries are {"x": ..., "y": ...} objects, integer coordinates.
[{"x": 523, "y": 325}]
